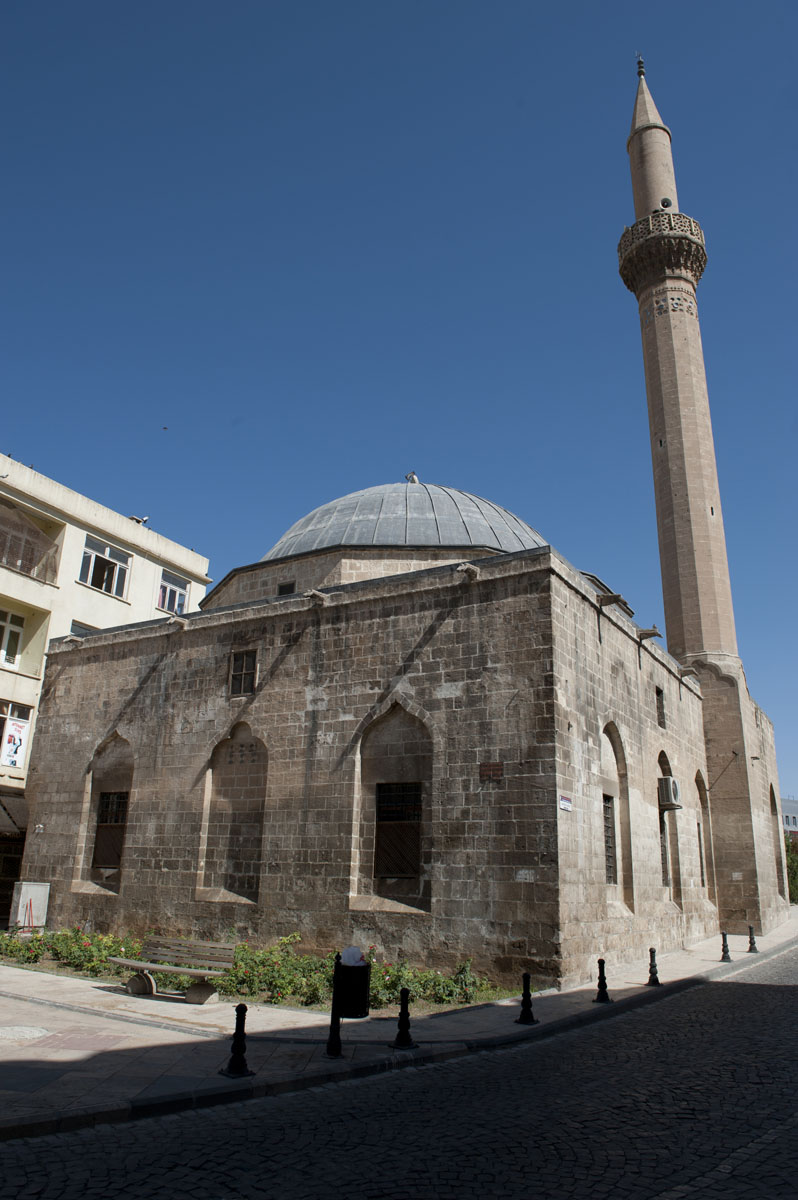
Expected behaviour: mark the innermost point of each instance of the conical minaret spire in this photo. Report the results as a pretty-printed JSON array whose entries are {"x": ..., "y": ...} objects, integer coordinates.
[
  {"x": 662, "y": 257},
  {"x": 649, "y": 146}
]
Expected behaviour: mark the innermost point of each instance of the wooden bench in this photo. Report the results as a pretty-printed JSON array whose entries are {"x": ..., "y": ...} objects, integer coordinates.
[{"x": 179, "y": 956}]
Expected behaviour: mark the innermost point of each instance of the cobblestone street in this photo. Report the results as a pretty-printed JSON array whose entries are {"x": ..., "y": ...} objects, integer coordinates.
[{"x": 693, "y": 1096}]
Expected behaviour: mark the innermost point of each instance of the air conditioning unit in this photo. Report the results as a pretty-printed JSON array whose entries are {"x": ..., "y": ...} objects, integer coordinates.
[{"x": 669, "y": 794}]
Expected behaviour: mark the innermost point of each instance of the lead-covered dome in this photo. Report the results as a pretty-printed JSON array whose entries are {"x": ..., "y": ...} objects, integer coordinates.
[{"x": 407, "y": 514}]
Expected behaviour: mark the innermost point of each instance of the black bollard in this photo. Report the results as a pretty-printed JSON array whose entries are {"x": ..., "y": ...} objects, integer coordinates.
[
  {"x": 527, "y": 1017},
  {"x": 603, "y": 996},
  {"x": 752, "y": 946},
  {"x": 653, "y": 976},
  {"x": 403, "y": 1040},
  {"x": 334, "y": 1038},
  {"x": 237, "y": 1066},
  {"x": 725, "y": 956}
]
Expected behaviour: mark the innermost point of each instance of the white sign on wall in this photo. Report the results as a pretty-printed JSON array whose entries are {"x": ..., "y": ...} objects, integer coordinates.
[
  {"x": 15, "y": 743},
  {"x": 29, "y": 905}
]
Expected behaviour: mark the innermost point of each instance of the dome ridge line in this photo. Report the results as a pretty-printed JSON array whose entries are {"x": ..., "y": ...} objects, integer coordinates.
[
  {"x": 374, "y": 541},
  {"x": 489, "y": 505},
  {"x": 469, "y": 496},
  {"x": 434, "y": 510}
]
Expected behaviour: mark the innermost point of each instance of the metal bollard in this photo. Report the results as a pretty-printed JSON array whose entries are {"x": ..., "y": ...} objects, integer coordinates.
[
  {"x": 725, "y": 956},
  {"x": 237, "y": 1066},
  {"x": 334, "y": 1038},
  {"x": 752, "y": 946},
  {"x": 602, "y": 996},
  {"x": 527, "y": 1017},
  {"x": 404, "y": 1040},
  {"x": 653, "y": 976}
]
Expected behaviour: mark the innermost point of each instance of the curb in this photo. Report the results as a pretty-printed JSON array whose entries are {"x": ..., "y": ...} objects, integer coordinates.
[{"x": 211, "y": 1095}]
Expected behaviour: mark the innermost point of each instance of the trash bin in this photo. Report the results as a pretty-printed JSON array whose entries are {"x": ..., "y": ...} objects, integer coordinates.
[{"x": 351, "y": 987}]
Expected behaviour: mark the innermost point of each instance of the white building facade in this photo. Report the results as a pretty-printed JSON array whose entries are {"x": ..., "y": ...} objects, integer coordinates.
[{"x": 68, "y": 566}]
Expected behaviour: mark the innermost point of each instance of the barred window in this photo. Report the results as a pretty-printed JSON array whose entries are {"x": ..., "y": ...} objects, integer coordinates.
[
  {"x": 663, "y": 849},
  {"x": 610, "y": 850},
  {"x": 701, "y": 854},
  {"x": 397, "y": 848},
  {"x": 660, "y": 698},
  {"x": 243, "y": 665},
  {"x": 111, "y": 824}
]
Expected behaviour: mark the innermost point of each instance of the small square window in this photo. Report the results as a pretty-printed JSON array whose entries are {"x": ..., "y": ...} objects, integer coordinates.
[
  {"x": 242, "y": 672},
  {"x": 286, "y": 589}
]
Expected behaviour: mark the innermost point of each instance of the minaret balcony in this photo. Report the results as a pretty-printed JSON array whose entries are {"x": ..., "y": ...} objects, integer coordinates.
[{"x": 661, "y": 244}]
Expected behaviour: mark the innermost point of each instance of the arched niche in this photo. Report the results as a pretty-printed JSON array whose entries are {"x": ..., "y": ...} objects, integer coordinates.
[
  {"x": 669, "y": 839},
  {"x": 778, "y": 844},
  {"x": 617, "y": 827},
  {"x": 111, "y": 773},
  {"x": 705, "y": 845},
  {"x": 232, "y": 833},
  {"x": 395, "y": 829}
]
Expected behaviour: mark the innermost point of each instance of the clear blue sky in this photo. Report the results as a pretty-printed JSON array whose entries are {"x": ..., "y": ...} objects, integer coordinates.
[{"x": 325, "y": 242}]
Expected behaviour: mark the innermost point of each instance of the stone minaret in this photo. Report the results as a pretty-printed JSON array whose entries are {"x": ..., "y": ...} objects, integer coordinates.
[{"x": 662, "y": 258}]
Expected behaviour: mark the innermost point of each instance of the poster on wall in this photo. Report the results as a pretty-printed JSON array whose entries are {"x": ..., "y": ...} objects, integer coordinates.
[{"x": 15, "y": 743}]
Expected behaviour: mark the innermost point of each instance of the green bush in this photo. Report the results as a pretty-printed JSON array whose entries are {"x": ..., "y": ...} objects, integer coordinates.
[
  {"x": 22, "y": 949},
  {"x": 89, "y": 952},
  {"x": 791, "y": 856},
  {"x": 272, "y": 974}
]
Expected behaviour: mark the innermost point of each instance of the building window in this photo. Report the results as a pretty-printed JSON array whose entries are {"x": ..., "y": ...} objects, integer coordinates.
[
  {"x": 173, "y": 596},
  {"x": 24, "y": 547},
  {"x": 286, "y": 589},
  {"x": 105, "y": 568},
  {"x": 14, "y": 734},
  {"x": 397, "y": 847},
  {"x": 242, "y": 672},
  {"x": 11, "y": 627},
  {"x": 610, "y": 850},
  {"x": 111, "y": 824},
  {"x": 660, "y": 707},
  {"x": 663, "y": 850},
  {"x": 701, "y": 854},
  {"x": 81, "y": 630}
]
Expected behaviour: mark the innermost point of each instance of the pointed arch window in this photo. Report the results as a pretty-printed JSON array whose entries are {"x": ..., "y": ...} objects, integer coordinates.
[
  {"x": 618, "y": 866},
  {"x": 394, "y": 842},
  {"x": 233, "y": 819},
  {"x": 111, "y": 787}
]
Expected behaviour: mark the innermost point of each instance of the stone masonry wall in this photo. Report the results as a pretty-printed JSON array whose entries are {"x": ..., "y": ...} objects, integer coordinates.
[
  {"x": 605, "y": 679},
  {"x": 523, "y": 689},
  {"x": 741, "y": 759},
  {"x": 260, "y": 581},
  {"x": 467, "y": 660}
]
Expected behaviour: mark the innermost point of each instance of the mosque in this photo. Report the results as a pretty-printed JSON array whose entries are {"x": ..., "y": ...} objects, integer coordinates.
[{"x": 414, "y": 724}]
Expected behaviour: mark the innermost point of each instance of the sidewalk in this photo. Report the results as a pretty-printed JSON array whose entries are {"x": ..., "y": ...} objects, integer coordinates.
[{"x": 77, "y": 1052}]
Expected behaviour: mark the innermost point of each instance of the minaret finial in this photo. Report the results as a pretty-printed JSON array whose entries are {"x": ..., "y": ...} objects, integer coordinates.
[{"x": 641, "y": 67}]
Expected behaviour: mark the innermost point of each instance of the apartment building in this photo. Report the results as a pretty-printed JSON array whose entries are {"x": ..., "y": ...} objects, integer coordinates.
[{"x": 68, "y": 566}]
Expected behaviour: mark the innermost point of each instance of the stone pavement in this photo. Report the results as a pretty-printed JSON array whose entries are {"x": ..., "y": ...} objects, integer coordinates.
[{"x": 79, "y": 1052}]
